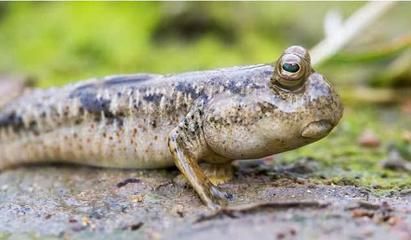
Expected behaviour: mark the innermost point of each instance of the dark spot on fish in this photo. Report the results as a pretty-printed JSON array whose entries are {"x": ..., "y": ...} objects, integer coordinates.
[
  {"x": 119, "y": 121},
  {"x": 32, "y": 127},
  {"x": 155, "y": 97},
  {"x": 188, "y": 88},
  {"x": 130, "y": 79},
  {"x": 153, "y": 123},
  {"x": 32, "y": 124},
  {"x": 96, "y": 105},
  {"x": 234, "y": 88},
  {"x": 81, "y": 111},
  {"x": 87, "y": 94},
  {"x": 268, "y": 73},
  {"x": 12, "y": 120},
  {"x": 266, "y": 107},
  {"x": 92, "y": 104}
]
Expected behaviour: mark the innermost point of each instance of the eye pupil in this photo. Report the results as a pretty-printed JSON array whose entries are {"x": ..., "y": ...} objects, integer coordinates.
[{"x": 291, "y": 67}]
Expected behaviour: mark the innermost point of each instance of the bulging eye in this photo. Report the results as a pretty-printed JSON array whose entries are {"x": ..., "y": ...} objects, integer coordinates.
[{"x": 292, "y": 69}]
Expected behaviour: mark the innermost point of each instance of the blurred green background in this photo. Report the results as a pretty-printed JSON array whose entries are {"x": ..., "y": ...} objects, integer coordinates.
[
  {"x": 61, "y": 42},
  {"x": 57, "y": 43}
]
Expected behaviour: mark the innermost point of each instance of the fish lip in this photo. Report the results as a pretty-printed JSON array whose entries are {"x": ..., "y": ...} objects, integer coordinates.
[{"x": 317, "y": 129}]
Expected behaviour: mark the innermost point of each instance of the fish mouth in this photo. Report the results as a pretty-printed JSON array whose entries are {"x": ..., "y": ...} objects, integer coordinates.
[{"x": 317, "y": 129}]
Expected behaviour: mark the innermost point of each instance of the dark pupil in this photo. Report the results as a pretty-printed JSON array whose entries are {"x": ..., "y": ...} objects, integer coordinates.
[{"x": 291, "y": 67}]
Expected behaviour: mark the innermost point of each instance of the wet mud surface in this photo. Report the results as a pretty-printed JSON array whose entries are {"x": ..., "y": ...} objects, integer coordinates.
[{"x": 72, "y": 202}]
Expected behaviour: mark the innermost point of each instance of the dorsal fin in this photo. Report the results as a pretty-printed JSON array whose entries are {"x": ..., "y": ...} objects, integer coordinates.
[{"x": 128, "y": 79}]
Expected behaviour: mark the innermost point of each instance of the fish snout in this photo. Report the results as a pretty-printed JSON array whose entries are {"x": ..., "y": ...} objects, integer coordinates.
[{"x": 317, "y": 129}]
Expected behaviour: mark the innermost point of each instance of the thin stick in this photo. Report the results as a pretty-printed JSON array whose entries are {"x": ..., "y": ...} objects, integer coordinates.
[
  {"x": 351, "y": 28},
  {"x": 234, "y": 212}
]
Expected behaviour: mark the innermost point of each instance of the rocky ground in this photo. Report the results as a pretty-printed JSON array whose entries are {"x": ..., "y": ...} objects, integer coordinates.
[{"x": 72, "y": 202}]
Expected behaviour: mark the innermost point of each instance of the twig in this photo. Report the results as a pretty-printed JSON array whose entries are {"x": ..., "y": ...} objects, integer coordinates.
[
  {"x": 234, "y": 212},
  {"x": 400, "y": 46},
  {"x": 127, "y": 181},
  {"x": 351, "y": 28}
]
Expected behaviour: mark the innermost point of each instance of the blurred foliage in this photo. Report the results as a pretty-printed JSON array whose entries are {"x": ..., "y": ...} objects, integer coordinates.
[{"x": 61, "y": 42}]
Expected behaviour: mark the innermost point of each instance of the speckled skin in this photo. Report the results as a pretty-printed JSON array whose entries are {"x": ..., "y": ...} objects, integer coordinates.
[{"x": 152, "y": 121}]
